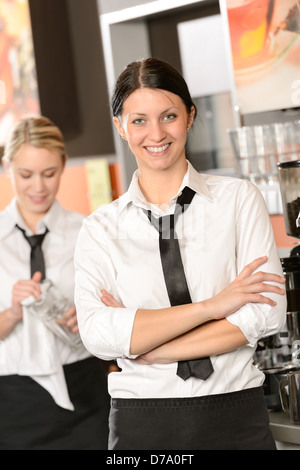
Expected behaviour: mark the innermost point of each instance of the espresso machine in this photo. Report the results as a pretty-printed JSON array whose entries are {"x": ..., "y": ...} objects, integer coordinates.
[
  {"x": 279, "y": 354},
  {"x": 289, "y": 178}
]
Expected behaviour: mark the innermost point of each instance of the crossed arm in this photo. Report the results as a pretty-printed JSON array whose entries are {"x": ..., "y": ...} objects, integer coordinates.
[{"x": 199, "y": 329}]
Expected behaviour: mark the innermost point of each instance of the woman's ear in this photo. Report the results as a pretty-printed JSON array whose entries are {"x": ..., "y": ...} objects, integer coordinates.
[
  {"x": 191, "y": 117},
  {"x": 119, "y": 127}
]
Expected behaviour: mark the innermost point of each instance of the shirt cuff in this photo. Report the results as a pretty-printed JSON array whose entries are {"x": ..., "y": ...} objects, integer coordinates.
[
  {"x": 107, "y": 334},
  {"x": 251, "y": 320}
]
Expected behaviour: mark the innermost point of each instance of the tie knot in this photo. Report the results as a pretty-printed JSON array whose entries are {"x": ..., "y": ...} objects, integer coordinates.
[
  {"x": 34, "y": 240},
  {"x": 165, "y": 225}
]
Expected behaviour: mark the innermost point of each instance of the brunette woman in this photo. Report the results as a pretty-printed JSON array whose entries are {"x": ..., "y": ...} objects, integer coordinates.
[{"x": 123, "y": 291}]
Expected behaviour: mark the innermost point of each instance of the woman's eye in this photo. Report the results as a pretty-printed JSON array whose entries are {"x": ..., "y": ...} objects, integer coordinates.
[
  {"x": 25, "y": 175},
  {"x": 138, "y": 122},
  {"x": 169, "y": 117},
  {"x": 49, "y": 175}
]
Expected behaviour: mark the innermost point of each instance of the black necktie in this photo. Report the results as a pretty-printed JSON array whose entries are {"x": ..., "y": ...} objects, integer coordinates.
[
  {"x": 175, "y": 279},
  {"x": 37, "y": 262}
]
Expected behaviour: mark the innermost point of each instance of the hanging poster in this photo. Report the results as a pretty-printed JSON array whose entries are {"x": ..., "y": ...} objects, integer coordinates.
[
  {"x": 18, "y": 82},
  {"x": 265, "y": 50}
]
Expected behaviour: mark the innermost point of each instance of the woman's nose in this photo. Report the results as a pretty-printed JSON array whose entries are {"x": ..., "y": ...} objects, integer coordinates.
[
  {"x": 38, "y": 183},
  {"x": 157, "y": 131}
]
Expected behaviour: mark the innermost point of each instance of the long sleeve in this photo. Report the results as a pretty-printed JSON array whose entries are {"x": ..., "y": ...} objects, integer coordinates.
[{"x": 105, "y": 332}]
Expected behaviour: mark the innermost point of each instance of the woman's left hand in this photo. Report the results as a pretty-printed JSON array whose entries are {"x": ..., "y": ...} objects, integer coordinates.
[
  {"x": 69, "y": 319},
  {"x": 153, "y": 357},
  {"x": 146, "y": 360}
]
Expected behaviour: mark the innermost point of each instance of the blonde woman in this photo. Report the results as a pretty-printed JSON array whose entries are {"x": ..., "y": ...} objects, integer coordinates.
[{"x": 52, "y": 392}]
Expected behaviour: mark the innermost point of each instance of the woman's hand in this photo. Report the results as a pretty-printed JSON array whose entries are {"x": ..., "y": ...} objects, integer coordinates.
[
  {"x": 248, "y": 287},
  {"x": 23, "y": 289},
  {"x": 13, "y": 315},
  {"x": 69, "y": 319},
  {"x": 109, "y": 300}
]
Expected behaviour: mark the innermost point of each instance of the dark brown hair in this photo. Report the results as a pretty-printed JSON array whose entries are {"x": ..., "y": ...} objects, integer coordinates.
[{"x": 149, "y": 73}]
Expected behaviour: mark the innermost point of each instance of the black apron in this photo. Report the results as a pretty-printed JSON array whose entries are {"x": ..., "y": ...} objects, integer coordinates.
[
  {"x": 30, "y": 419},
  {"x": 230, "y": 421}
]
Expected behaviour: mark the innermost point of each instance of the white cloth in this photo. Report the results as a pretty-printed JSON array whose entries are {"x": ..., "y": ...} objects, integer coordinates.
[
  {"x": 49, "y": 308},
  {"x": 39, "y": 358},
  {"x": 226, "y": 227},
  {"x": 58, "y": 248}
]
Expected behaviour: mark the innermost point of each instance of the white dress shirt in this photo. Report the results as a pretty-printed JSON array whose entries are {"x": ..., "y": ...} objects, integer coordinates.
[
  {"x": 226, "y": 227},
  {"x": 58, "y": 249}
]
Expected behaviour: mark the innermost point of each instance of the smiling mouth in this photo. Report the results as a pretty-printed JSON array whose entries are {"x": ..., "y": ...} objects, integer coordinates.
[
  {"x": 160, "y": 149},
  {"x": 37, "y": 198}
]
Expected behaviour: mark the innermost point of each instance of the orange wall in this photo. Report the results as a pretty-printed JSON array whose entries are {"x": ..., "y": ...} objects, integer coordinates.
[
  {"x": 282, "y": 239},
  {"x": 73, "y": 193},
  {"x": 5, "y": 191}
]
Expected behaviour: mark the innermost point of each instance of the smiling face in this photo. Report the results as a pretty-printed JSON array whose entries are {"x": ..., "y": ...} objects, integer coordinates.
[
  {"x": 155, "y": 122},
  {"x": 35, "y": 174}
]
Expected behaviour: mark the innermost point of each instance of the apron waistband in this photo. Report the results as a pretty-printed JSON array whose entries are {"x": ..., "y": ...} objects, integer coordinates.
[{"x": 214, "y": 401}]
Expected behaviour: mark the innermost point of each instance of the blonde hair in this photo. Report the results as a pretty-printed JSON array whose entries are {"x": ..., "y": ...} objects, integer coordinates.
[{"x": 38, "y": 132}]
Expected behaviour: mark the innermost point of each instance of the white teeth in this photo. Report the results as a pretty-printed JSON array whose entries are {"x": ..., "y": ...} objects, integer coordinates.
[
  {"x": 37, "y": 198},
  {"x": 157, "y": 149}
]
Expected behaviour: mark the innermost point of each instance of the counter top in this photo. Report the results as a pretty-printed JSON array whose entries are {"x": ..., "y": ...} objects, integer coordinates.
[{"x": 282, "y": 429}]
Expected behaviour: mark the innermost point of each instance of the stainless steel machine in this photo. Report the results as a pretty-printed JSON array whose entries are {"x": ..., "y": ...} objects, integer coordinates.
[{"x": 279, "y": 354}]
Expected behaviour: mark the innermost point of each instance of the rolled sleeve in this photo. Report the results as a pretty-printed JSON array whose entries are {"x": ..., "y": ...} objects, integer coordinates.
[
  {"x": 106, "y": 332},
  {"x": 258, "y": 321}
]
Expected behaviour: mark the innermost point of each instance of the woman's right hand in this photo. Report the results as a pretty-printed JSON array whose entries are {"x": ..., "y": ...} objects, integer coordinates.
[
  {"x": 23, "y": 289},
  {"x": 248, "y": 287}
]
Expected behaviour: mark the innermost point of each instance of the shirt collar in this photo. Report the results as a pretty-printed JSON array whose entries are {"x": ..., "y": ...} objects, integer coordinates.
[
  {"x": 192, "y": 179},
  {"x": 11, "y": 218},
  {"x": 53, "y": 220}
]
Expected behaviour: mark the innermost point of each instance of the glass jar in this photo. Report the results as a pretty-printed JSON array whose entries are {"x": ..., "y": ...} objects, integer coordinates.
[{"x": 289, "y": 180}]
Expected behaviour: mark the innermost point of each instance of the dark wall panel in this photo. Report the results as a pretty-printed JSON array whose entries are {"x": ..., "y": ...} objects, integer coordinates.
[
  {"x": 55, "y": 64},
  {"x": 71, "y": 73}
]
